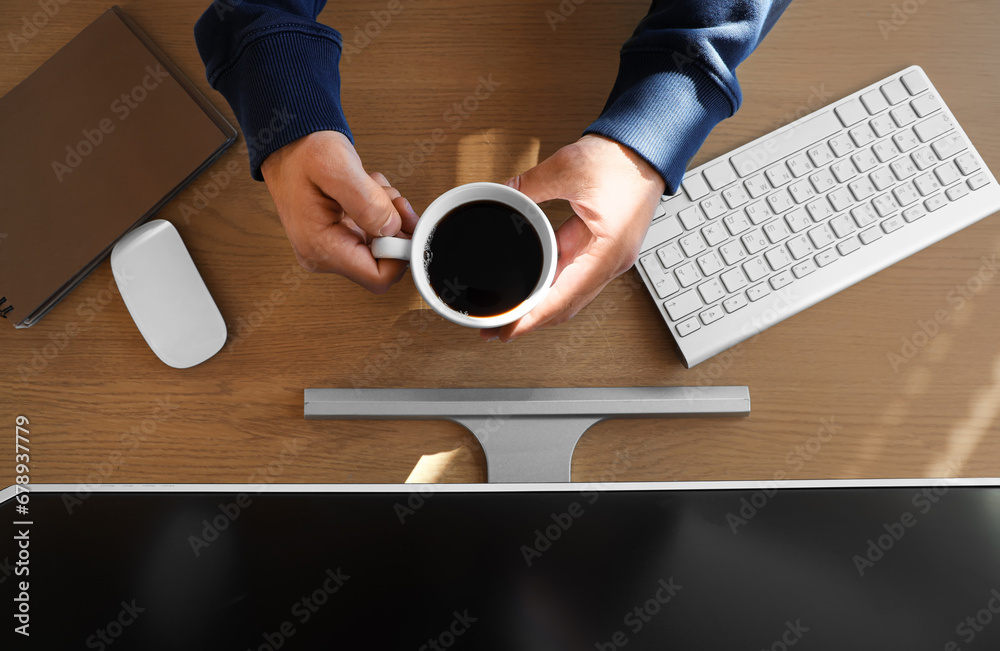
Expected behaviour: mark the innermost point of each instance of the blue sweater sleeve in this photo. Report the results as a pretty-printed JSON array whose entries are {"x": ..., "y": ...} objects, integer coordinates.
[
  {"x": 676, "y": 78},
  {"x": 276, "y": 66}
]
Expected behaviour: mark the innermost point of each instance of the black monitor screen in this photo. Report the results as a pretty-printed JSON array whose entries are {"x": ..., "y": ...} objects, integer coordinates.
[{"x": 803, "y": 568}]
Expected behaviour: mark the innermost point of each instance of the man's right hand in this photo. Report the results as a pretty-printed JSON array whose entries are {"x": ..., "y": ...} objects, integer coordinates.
[{"x": 331, "y": 209}]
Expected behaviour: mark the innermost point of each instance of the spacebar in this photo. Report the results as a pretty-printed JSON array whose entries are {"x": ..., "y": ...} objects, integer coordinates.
[{"x": 787, "y": 142}]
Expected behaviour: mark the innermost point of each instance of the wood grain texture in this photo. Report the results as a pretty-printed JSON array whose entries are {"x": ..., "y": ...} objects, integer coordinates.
[{"x": 103, "y": 408}]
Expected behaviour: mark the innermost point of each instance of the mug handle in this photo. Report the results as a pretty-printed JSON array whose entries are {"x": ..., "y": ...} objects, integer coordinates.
[{"x": 391, "y": 247}]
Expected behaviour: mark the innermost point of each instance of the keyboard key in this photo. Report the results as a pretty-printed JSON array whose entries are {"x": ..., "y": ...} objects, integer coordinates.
[
  {"x": 883, "y": 125},
  {"x": 862, "y": 135},
  {"x": 824, "y": 258},
  {"x": 778, "y": 257},
  {"x": 801, "y": 191},
  {"x": 885, "y": 204},
  {"x": 734, "y": 303},
  {"x": 693, "y": 244},
  {"x": 894, "y": 223},
  {"x": 733, "y": 252},
  {"x": 967, "y": 163},
  {"x": 844, "y": 170},
  {"x": 894, "y": 92},
  {"x": 669, "y": 255},
  {"x": 687, "y": 274},
  {"x": 903, "y": 168},
  {"x": 905, "y": 140},
  {"x": 776, "y": 147},
  {"x": 864, "y": 215},
  {"x": 820, "y": 155},
  {"x": 755, "y": 269},
  {"x": 874, "y": 101},
  {"x": 840, "y": 199},
  {"x": 712, "y": 314},
  {"x": 734, "y": 280},
  {"x": 660, "y": 211},
  {"x": 864, "y": 160},
  {"x": 977, "y": 181},
  {"x": 711, "y": 291},
  {"x": 691, "y": 217},
  {"x": 687, "y": 327},
  {"x": 842, "y": 145},
  {"x": 758, "y": 292},
  {"x": 662, "y": 281},
  {"x": 713, "y": 207},
  {"x": 799, "y": 165},
  {"x": 870, "y": 235},
  {"x": 714, "y": 233},
  {"x": 913, "y": 213},
  {"x": 956, "y": 192},
  {"x": 757, "y": 186},
  {"x": 819, "y": 209},
  {"x": 842, "y": 226},
  {"x": 821, "y": 236},
  {"x": 758, "y": 212},
  {"x": 661, "y": 231},
  {"x": 779, "y": 280},
  {"x": 804, "y": 268},
  {"x": 849, "y": 246},
  {"x": 754, "y": 241},
  {"x": 862, "y": 188},
  {"x": 927, "y": 184},
  {"x": 799, "y": 247},
  {"x": 885, "y": 150},
  {"x": 905, "y": 194},
  {"x": 823, "y": 180},
  {"x": 882, "y": 178},
  {"x": 924, "y": 158},
  {"x": 914, "y": 82},
  {"x": 736, "y": 223},
  {"x": 925, "y": 105},
  {"x": 903, "y": 115},
  {"x": 949, "y": 146},
  {"x": 851, "y": 112},
  {"x": 778, "y": 175},
  {"x": 933, "y": 127},
  {"x": 709, "y": 263},
  {"x": 935, "y": 203},
  {"x": 780, "y": 201},
  {"x": 735, "y": 196},
  {"x": 682, "y": 305},
  {"x": 720, "y": 175},
  {"x": 694, "y": 186},
  {"x": 798, "y": 220},
  {"x": 776, "y": 231}
]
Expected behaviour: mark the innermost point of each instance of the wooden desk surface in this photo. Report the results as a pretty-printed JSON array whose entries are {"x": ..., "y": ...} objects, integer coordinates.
[{"x": 827, "y": 401}]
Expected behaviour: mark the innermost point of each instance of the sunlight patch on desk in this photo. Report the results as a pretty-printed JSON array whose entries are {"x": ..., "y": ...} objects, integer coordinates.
[
  {"x": 494, "y": 155},
  {"x": 965, "y": 436},
  {"x": 432, "y": 468}
]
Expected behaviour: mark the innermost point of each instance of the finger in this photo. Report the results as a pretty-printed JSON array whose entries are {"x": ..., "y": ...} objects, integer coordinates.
[
  {"x": 362, "y": 197},
  {"x": 409, "y": 215},
  {"x": 352, "y": 258},
  {"x": 379, "y": 178},
  {"x": 550, "y": 179}
]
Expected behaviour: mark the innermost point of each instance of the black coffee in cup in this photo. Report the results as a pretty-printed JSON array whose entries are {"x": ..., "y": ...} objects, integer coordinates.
[{"x": 483, "y": 258}]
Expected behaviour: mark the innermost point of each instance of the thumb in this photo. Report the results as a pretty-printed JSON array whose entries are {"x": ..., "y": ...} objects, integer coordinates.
[
  {"x": 550, "y": 179},
  {"x": 367, "y": 203}
]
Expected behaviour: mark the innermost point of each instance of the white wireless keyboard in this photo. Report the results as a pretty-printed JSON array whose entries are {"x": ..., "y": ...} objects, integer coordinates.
[{"x": 791, "y": 218}]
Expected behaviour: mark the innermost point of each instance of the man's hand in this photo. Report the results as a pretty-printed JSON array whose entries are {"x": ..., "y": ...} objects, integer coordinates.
[
  {"x": 331, "y": 209},
  {"x": 613, "y": 193}
]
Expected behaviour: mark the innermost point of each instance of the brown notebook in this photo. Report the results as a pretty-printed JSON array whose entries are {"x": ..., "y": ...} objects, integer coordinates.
[{"x": 92, "y": 144}]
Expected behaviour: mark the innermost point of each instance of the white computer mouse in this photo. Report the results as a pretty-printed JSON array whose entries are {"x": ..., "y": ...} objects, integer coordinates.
[{"x": 166, "y": 295}]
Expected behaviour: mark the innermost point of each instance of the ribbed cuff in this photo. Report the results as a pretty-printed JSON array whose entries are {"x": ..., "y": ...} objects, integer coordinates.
[
  {"x": 663, "y": 106},
  {"x": 283, "y": 86}
]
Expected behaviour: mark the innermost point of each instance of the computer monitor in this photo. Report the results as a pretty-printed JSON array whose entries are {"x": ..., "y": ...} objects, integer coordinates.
[{"x": 881, "y": 564}]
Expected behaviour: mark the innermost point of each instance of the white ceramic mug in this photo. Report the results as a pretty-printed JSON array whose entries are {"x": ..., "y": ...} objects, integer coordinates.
[{"x": 413, "y": 249}]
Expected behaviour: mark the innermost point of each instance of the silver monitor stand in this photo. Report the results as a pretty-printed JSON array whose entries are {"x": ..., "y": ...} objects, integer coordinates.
[{"x": 528, "y": 434}]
